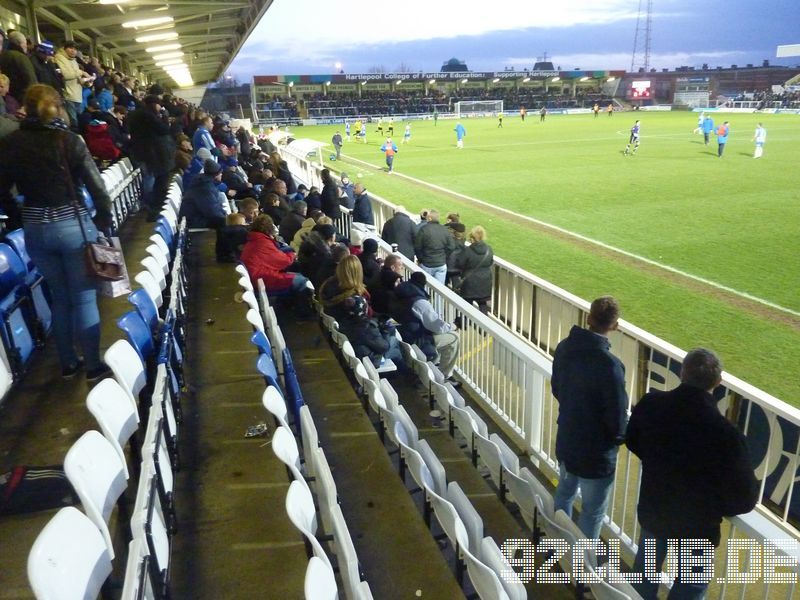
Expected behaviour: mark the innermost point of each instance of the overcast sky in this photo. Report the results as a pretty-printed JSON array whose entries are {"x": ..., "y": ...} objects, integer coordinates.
[{"x": 311, "y": 36}]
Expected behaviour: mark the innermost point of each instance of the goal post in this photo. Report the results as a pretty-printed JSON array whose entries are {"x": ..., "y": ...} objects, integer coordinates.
[{"x": 478, "y": 108}]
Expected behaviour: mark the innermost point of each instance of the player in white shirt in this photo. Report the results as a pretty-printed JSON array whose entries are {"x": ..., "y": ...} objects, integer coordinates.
[
  {"x": 700, "y": 119},
  {"x": 407, "y": 134},
  {"x": 759, "y": 137}
]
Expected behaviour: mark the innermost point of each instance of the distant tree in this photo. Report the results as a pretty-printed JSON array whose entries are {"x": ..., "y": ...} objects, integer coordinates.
[
  {"x": 403, "y": 68},
  {"x": 377, "y": 69}
]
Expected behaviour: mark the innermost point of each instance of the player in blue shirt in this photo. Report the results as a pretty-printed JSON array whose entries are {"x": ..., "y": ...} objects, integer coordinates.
[
  {"x": 347, "y": 130},
  {"x": 634, "y": 139},
  {"x": 460, "y": 133},
  {"x": 407, "y": 134}
]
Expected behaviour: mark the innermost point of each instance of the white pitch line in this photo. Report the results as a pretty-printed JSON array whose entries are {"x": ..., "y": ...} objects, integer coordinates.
[{"x": 584, "y": 238}]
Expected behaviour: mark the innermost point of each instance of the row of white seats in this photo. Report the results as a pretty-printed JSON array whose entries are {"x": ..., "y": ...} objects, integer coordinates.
[
  {"x": 124, "y": 184},
  {"x": 66, "y": 560},
  {"x": 310, "y": 475}
]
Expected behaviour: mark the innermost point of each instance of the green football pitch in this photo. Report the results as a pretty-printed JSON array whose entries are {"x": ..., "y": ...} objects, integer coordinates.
[{"x": 700, "y": 250}]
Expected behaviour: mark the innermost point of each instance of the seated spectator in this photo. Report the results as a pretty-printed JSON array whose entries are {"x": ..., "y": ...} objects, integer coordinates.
[
  {"x": 8, "y": 104},
  {"x": 382, "y": 287},
  {"x": 349, "y": 198},
  {"x": 366, "y": 335},
  {"x": 106, "y": 98},
  {"x": 314, "y": 199},
  {"x": 315, "y": 250},
  {"x": 399, "y": 231},
  {"x": 234, "y": 179},
  {"x": 347, "y": 281},
  {"x": 232, "y": 238},
  {"x": 420, "y": 324},
  {"x": 302, "y": 233},
  {"x": 300, "y": 194},
  {"x": 275, "y": 207},
  {"x": 370, "y": 263},
  {"x": 476, "y": 265},
  {"x": 249, "y": 208},
  {"x": 202, "y": 205},
  {"x": 196, "y": 166},
  {"x": 328, "y": 267},
  {"x": 362, "y": 210},
  {"x": 293, "y": 221},
  {"x": 266, "y": 260},
  {"x": 281, "y": 171}
]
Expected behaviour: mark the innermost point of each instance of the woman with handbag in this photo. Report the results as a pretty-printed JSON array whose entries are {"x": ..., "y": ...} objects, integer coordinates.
[
  {"x": 475, "y": 263},
  {"x": 47, "y": 161}
]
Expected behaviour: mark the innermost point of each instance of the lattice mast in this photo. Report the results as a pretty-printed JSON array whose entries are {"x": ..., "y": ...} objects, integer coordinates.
[{"x": 641, "y": 38}]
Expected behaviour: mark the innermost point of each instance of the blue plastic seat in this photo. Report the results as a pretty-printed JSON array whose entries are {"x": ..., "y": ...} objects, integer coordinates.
[
  {"x": 37, "y": 286},
  {"x": 15, "y": 310},
  {"x": 260, "y": 340},
  {"x": 138, "y": 333},
  {"x": 165, "y": 231},
  {"x": 88, "y": 201},
  {"x": 294, "y": 397},
  {"x": 146, "y": 307},
  {"x": 266, "y": 367}
]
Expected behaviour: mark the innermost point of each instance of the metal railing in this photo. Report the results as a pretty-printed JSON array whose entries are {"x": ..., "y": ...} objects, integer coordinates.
[{"x": 506, "y": 360}]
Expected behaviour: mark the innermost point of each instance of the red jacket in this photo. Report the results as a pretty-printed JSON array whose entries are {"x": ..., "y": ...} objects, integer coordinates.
[{"x": 265, "y": 261}]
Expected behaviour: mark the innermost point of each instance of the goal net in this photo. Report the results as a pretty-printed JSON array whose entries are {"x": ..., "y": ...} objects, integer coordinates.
[{"x": 478, "y": 108}]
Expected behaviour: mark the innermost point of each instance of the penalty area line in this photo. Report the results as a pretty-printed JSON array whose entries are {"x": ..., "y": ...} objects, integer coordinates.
[{"x": 593, "y": 241}]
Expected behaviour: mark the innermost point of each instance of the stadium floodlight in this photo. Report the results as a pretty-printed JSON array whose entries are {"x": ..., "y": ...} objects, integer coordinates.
[
  {"x": 432, "y": 81},
  {"x": 610, "y": 79},
  {"x": 291, "y": 84},
  {"x": 398, "y": 82},
  {"x": 147, "y": 22},
  {"x": 168, "y": 55},
  {"x": 584, "y": 79},
  {"x": 495, "y": 80},
  {"x": 170, "y": 62},
  {"x": 464, "y": 80},
  {"x": 363, "y": 83},
  {"x": 157, "y": 37},
  {"x": 554, "y": 79},
  {"x": 327, "y": 83},
  {"x": 163, "y": 48},
  {"x": 526, "y": 80},
  {"x": 113, "y": 1}
]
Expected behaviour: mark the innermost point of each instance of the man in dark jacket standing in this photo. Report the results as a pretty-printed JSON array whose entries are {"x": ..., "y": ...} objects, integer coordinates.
[
  {"x": 153, "y": 146},
  {"x": 589, "y": 384},
  {"x": 46, "y": 70},
  {"x": 400, "y": 230},
  {"x": 433, "y": 244},
  {"x": 696, "y": 469},
  {"x": 292, "y": 222},
  {"x": 15, "y": 64},
  {"x": 362, "y": 209}
]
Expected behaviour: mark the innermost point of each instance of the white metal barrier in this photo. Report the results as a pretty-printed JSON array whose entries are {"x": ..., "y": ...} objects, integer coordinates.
[{"x": 506, "y": 360}]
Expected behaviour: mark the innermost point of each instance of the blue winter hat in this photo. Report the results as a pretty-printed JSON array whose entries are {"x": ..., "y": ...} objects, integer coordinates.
[{"x": 45, "y": 47}]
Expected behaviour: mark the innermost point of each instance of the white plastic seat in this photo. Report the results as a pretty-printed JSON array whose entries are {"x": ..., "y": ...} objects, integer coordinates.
[
  {"x": 434, "y": 466},
  {"x": 469, "y": 516},
  {"x": 160, "y": 257},
  {"x": 300, "y": 508},
  {"x": 242, "y": 270},
  {"x": 452, "y": 526},
  {"x": 162, "y": 245},
  {"x": 245, "y": 283},
  {"x": 497, "y": 456},
  {"x": 389, "y": 394},
  {"x": 372, "y": 372},
  {"x": 250, "y": 298},
  {"x": 486, "y": 582},
  {"x": 151, "y": 286},
  {"x": 97, "y": 473},
  {"x": 493, "y": 558},
  {"x": 468, "y": 423},
  {"x": 350, "y": 356},
  {"x": 134, "y": 577},
  {"x": 69, "y": 558},
  {"x": 285, "y": 448},
  {"x": 522, "y": 493},
  {"x": 308, "y": 430},
  {"x": 399, "y": 415},
  {"x": 276, "y": 405},
  {"x": 325, "y": 486},
  {"x": 152, "y": 266},
  {"x": 124, "y": 362},
  {"x": 117, "y": 416},
  {"x": 320, "y": 582},
  {"x": 346, "y": 555},
  {"x": 255, "y": 320}
]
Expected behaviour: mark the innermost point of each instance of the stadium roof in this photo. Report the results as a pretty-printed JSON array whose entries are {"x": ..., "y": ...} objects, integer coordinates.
[{"x": 209, "y": 32}]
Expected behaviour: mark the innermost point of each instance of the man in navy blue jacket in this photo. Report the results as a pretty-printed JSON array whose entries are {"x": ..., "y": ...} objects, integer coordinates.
[{"x": 589, "y": 384}]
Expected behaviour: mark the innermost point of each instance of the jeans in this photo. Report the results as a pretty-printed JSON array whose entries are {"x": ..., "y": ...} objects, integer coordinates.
[
  {"x": 73, "y": 110},
  {"x": 720, "y": 149},
  {"x": 649, "y": 589},
  {"x": 595, "y": 494},
  {"x": 389, "y": 162},
  {"x": 154, "y": 190},
  {"x": 57, "y": 249},
  {"x": 438, "y": 273}
]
